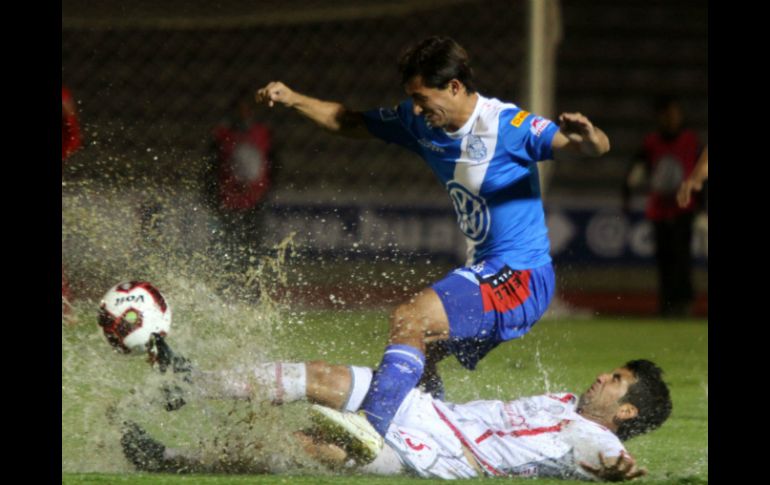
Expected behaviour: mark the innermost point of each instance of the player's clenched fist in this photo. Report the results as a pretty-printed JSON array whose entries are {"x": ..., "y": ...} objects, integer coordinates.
[{"x": 275, "y": 92}]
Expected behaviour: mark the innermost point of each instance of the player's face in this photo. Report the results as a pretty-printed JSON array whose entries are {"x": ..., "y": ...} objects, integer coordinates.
[
  {"x": 603, "y": 395},
  {"x": 437, "y": 105}
]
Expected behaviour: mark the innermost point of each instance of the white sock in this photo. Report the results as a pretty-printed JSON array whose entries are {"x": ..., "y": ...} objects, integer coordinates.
[
  {"x": 278, "y": 382},
  {"x": 281, "y": 382},
  {"x": 228, "y": 384},
  {"x": 360, "y": 380}
]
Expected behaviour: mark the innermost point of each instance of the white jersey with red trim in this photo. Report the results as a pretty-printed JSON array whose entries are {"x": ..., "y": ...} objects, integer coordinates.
[{"x": 533, "y": 436}]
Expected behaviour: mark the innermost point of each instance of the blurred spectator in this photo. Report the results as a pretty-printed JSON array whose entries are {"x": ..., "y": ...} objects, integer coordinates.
[
  {"x": 71, "y": 140},
  {"x": 240, "y": 178},
  {"x": 667, "y": 157}
]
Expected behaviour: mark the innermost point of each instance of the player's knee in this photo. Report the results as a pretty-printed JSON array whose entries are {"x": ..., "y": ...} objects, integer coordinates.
[
  {"x": 327, "y": 384},
  {"x": 408, "y": 324},
  {"x": 320, "y": 372}
]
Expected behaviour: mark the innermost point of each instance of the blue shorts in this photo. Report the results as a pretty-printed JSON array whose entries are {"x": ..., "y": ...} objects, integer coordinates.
[{"x": 489, "y": 303}]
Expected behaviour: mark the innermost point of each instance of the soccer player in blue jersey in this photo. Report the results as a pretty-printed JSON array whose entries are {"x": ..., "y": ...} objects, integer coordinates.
[{"x": 485, "y": 152}]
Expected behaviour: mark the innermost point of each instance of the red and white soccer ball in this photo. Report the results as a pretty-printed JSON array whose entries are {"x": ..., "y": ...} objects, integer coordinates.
[{"x": 131, "y": 312}]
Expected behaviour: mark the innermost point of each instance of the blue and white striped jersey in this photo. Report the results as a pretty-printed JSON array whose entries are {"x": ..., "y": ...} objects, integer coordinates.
[{"x": 489, "y": 169}]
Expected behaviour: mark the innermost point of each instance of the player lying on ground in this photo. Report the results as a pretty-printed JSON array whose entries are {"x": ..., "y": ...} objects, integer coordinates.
[
  {"x": 553, "y": 435},
  {"x": 484, "y": 152}
]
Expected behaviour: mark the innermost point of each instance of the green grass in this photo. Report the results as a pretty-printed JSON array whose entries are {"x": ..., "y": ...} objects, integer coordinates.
[
  {"x": 556, "y": 355},
  {"x": 161, "y": 479}
]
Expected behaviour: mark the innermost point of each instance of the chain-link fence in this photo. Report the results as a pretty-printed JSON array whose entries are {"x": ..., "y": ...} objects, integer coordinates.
[{"x": 151, "y": 81}]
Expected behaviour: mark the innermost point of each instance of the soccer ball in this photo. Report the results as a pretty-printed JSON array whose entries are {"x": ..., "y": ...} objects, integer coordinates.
[{"x": 131, "y": 312}]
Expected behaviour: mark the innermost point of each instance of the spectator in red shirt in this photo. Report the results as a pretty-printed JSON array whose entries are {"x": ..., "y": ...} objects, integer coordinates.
[
  {"x": 239, "y": 181},
  {"x": 71, "y": 140},
  {"x": 667, "y": 158}
]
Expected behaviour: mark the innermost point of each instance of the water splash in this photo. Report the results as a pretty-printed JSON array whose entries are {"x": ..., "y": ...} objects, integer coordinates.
[
  {"x": 543, "y": 370},
  {"x": 228, "y": 312}
]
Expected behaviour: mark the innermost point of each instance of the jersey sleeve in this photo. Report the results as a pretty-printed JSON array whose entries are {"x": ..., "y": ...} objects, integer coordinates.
[
  {"x": 528, "y": 136},
  {"x": 392, "y": 125}
]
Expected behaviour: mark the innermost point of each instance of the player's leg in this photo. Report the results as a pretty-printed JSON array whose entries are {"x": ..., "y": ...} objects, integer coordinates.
[
  {"x": 682, "y": 292},
  {"x": 419, "y": 321},
  {"x": 411, "y": 443},
  {"x": 335, "y": 386},
  {"x": 469, "y": 313},
  {"x": 349, "y": 430},
  {"x": 330, "y": 454},
  {"x": 412, "y": 326},
  {"x": 666, "y": 255}
]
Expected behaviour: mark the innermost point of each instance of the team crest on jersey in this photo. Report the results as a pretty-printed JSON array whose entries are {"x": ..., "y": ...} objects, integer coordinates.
[
  {"x": 472, "y": 212},
  {"x": 538, "y": 125},
  {"x": 476, "y": 148}
]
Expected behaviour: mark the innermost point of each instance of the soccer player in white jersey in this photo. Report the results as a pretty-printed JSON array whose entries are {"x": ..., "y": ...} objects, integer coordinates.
[
  {"x": 485, "y": 152},
  {"x": 552, "y": 435}
]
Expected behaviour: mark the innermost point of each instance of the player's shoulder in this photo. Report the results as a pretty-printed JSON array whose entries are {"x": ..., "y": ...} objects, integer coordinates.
[
  {"x": 494, "y": 108},
  {"x": 516, "y": 122}
]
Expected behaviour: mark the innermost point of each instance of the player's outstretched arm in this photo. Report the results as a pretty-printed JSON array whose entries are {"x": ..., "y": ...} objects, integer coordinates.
[
  {"x": 577, "y": 133},
  {"x": 695, "y": 181},
  {"x": 330, "y": 115}
]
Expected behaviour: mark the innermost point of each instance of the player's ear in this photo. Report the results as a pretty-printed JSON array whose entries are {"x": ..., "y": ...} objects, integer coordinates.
[
  {"x": 455, "y": 86},
  {"x": 626, "y": 411}
]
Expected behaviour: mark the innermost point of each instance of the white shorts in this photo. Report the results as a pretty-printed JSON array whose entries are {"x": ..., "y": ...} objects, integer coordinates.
[{"x": 424, "y": 444}]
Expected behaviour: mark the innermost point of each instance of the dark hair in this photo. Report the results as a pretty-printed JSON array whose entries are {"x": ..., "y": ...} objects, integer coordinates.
[
  {"x": 651, "y": 397},
  {"x": 437, "y": 60}
]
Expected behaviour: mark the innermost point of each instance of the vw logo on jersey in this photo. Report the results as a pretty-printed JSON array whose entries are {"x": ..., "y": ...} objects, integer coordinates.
[
  {"x": 476, "y": 148},
  {"x": 472, "y": 212}
]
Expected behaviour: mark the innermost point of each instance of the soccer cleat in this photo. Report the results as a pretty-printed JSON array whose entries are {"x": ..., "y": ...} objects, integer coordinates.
[
  {"x": 174, "y": 396},
  {"x": 352, "y": 431},
  {"x": 159, "y": 352},
  {"x": 144, "y": 452}
]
